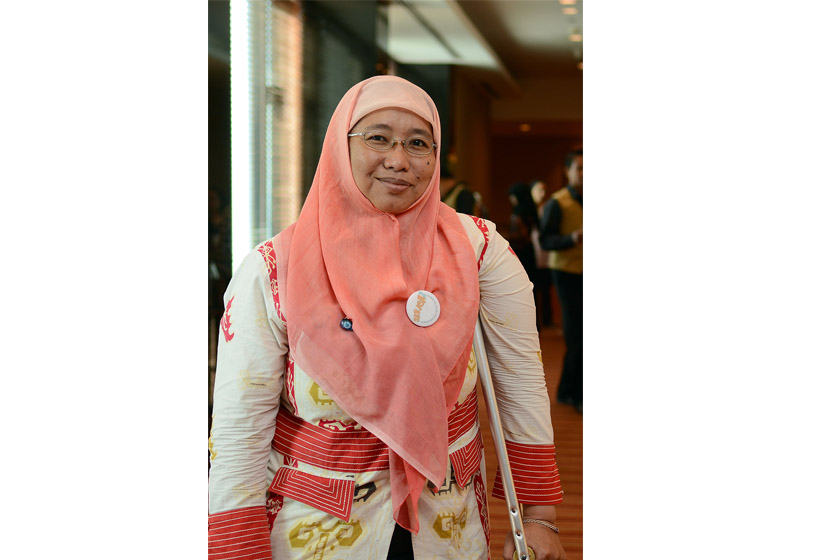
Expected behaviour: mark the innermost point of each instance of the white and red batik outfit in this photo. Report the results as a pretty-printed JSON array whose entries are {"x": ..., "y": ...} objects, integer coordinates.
[
  {"x": 289, "y": 462},
  {"x": 322, "y": 438}
]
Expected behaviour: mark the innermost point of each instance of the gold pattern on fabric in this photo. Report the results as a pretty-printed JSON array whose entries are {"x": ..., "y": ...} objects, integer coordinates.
[
  {"x": 321, "y": 539},
  {"x": 213, "y": 452},
  {"x": 253, "y": 441},
  {"x": 319, "y": 397},
  {"x": 469, "y": 379},
  {"x": 261, "y": 319},
  {"x": 254, "y": 380},
  {"x": 450, "y": 526},
  {"x": 249, "y": 490},
  {"x": 361, "y": 493},
  {"x": 511, "y": 321}
]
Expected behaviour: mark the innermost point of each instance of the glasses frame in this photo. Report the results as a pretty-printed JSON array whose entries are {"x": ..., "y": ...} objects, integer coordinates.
[{"x": 394, "y": 141}]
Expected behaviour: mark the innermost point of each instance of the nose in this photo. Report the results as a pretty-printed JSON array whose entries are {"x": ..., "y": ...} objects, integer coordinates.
[{"x": 396, "y": 158}]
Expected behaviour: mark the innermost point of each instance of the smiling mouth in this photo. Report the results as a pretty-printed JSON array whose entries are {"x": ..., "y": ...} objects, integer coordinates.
[{"x": 395, "y": 186}]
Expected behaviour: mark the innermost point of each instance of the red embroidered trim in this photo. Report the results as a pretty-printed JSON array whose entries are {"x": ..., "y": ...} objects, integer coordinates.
[
  {"x": 351, "y": 451},
  {"x": 481, "y": 500},
  {"x": 338, "y": 425},
  {"x": 535, "y": 474},
  {"x": 267, "y": 251},
  {"x": 273, "y": 505},
  {"x": 290, "y": 385},
  {"x": 486, "y": 232},
  {"x": 463, "y": 417},
  {"x": 226, "y": 321},
  {"x": 467, "y": 460},
  {"x": 241, "y": 534},
  {"x": 330, "y": 495},
  {"x": 290, "y": 461}
]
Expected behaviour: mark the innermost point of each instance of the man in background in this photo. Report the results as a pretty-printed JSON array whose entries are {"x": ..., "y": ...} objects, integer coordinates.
[{"x": 561, "y": 233}]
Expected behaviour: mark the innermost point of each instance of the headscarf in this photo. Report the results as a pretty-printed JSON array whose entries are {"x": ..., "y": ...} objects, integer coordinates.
[{"x": 349, "y": 259}]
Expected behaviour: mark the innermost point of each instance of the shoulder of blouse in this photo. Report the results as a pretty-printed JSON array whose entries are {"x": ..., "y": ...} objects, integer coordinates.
[{"x": 479, "y": 231}]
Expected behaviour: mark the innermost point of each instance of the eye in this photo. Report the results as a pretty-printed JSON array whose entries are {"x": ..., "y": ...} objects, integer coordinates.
[
  {"x": 420, "y": 143},
  {"x": 377, "y": 138}
]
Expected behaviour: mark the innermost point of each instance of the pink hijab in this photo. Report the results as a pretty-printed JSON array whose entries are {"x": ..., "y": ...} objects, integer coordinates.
[{"x": 349, "y": 259}]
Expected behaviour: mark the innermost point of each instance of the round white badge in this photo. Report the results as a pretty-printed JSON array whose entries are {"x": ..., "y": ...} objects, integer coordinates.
[{"x": 422, "y": 308}]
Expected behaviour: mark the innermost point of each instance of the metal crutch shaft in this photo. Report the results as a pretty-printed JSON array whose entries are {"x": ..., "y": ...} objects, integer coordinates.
[{"x": 499, "y": 440}]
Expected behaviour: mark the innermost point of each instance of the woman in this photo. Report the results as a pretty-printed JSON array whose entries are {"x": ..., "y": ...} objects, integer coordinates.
[
  {"x": 542, "y": 277},
  {"x": 345, "y": 381},
  {"x": 523, "y": 223}
]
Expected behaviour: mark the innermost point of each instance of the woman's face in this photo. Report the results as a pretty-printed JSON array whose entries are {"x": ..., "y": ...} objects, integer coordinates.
[
  {"x": 538, "y": 192},
  {"x": 391, "y": 180}
]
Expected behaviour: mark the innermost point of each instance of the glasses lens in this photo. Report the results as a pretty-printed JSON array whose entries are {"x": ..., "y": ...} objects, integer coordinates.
[
  {"x": 418, "y": 146},
  {"x": 378, "y": 140}
]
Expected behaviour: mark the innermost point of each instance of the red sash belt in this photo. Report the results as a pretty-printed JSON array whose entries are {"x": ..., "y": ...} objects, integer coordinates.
[
  {"x": 352, "y": 451},
  {"x": 463, "y": 417}
]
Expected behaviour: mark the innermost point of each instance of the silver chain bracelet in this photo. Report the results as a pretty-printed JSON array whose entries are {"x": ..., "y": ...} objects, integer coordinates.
[{"x": 543, "y": 523}]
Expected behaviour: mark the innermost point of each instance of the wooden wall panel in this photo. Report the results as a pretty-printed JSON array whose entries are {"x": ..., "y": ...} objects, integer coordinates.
[{"x": 472, "y": 134}]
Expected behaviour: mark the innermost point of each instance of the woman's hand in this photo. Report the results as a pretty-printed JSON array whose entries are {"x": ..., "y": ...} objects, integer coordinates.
[{"x": 543, "y": 541}]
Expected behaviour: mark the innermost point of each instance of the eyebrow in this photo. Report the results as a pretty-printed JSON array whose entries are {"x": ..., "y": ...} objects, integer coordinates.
[{"x": 412, "y": 132}]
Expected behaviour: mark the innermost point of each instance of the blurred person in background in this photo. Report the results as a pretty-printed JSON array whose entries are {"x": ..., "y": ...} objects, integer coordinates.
[
  {"x": 542, "y": 276},
  {"x": 561, "y": 233},
  {"x": 523, "y": 224},
  {"x": 457, "y": 196}
]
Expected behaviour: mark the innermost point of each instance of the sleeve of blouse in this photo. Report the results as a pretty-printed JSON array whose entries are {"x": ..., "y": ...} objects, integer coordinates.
[
  {"x": 508, "y": 318},
  {"x": 249, "y": 369}
]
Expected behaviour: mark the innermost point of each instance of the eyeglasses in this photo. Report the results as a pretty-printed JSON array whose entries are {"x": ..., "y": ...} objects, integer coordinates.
[{"x": 416, "y": 145}]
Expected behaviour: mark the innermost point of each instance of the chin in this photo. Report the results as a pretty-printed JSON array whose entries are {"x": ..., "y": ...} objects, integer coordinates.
[{"x": 393, "y": 208}]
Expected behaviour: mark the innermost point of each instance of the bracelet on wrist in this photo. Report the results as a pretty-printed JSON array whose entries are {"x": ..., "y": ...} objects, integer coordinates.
[{"x": 543, "y": 523}]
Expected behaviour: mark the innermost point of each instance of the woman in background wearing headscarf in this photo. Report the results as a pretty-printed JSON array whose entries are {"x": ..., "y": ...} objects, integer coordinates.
[
  {"x": 345, "y": 419},
  {"x": 524, "y": 237},
  {"x": 523, "y": 222}
]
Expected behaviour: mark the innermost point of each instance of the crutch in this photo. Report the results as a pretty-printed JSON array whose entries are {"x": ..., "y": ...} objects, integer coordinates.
[{"x": 501, "y": 450}]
